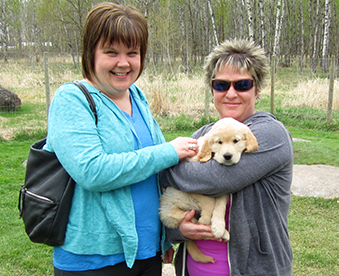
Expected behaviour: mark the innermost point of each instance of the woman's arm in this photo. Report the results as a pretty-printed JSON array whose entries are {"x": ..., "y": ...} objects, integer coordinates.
[
  {"x": 214, "y": 179},
  {"x": 100, "y": 157}
]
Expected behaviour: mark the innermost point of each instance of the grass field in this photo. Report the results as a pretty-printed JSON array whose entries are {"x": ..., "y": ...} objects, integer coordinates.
[
  {"x": 178, "y": 103},
  {"x": 313, "y": 222}
]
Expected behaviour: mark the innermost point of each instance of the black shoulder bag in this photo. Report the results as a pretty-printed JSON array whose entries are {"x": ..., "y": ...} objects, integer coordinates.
[{"x": 46, "y": 197}]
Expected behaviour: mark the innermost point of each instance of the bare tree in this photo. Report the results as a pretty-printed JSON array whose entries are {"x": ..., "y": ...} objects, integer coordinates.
[
  {"x": 9, "y": 25},
  {"x": 3, "y": 31},
  {"x": 213, "y": 22},
  {"x": 262, "y": 24},
  {"x": 278, "y": 25},
  {"x": 327, "y": 23},
  {"x": 182, "y": 30},
  {"x": 302, "y": 42},
  {"x": 250, "y": 20},
  {"x": 314, "y": 43}
]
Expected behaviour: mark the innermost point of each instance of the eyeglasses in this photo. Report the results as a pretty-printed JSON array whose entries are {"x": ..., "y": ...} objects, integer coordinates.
[{"x": 240, "y": 85}]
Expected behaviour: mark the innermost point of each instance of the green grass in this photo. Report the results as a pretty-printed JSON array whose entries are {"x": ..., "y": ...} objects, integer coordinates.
[
  {"x": 182, "y": 123},
  {"x": 313, "y": 222},
  {"x": 323, "y": 147},
  {"x": 29, "y": 122},
  {"x": 304, "y": 117},
  {"x": 18, "y": 256},
  {"x": 313, "y": 228}
]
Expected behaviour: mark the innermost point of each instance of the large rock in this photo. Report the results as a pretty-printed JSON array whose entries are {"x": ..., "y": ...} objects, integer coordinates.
[{"x": 9, "y": 101}]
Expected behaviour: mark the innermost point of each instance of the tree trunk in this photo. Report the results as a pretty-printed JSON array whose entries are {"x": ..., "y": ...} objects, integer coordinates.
[
  {"x": 315, "y": 41},
  {"x": 213, "y": 23},
  {"x": 311, "y": 32},
  {"x": 327, "y": 23},
  {"x": 3, "y": 31},
  {"x": 250, "y": 20},
  {"x": 302, "y": 41},
  {"x": 278, "y": 24},
  {"x": 262, "y": 24}
]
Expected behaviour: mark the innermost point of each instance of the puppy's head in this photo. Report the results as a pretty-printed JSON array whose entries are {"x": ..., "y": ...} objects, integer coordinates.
[{"x": 226, "y": 141}]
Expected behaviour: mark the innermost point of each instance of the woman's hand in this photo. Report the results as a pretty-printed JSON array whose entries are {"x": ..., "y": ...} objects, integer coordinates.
[
  {"x": 185, "y": 147},
  {"x": 168, "y": 257},
  {"x": 195, "y": 231}
]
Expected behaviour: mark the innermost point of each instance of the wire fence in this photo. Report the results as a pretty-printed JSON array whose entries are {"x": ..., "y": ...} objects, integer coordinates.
[{"x": 27, "y": 85}]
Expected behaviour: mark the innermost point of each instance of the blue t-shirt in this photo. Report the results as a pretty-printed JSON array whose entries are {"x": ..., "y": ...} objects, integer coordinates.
[{"x": 146, "y": 204}]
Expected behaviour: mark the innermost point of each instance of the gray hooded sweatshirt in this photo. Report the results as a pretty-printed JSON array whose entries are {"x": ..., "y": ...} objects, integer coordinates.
[{"x": 259, "y": 188}]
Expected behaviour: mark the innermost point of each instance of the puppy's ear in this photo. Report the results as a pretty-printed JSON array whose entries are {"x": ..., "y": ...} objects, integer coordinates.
[
  {"x": 251, "y": 142},
  {"x": 205, "y": 152}
]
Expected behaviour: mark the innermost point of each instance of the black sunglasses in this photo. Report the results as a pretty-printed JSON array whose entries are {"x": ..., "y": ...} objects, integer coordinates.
[{"x": 240, "y": 85}]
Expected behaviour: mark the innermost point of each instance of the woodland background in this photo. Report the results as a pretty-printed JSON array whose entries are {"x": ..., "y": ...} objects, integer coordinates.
[
  {"x": 184, "y": 30},
  {"x": 302, "y": 34}
]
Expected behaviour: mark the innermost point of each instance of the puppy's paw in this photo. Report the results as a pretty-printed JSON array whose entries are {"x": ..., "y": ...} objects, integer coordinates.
[
  {"x": 226, "y": 236},
  {"x": 218, "y": 228},
  {"x": 203, "y": 259}
]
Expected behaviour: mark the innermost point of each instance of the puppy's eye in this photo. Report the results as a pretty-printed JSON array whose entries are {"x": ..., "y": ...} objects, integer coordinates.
[
  {"x": 220, "y": 142},
  {"x": 236, "y": 139}
]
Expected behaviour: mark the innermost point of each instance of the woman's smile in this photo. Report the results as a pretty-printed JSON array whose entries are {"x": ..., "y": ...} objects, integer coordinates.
[
  {"x": 232, "y": 103},
  {"x": 116, "y": 68}
]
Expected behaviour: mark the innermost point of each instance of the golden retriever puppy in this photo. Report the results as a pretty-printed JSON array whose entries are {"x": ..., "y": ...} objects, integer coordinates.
[
  {"x": 225, "y": 143},
  {"x": 226, "y": 140}
]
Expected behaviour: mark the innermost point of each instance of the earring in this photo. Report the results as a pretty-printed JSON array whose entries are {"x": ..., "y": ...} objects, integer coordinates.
[{"x": 257, "y": 101}]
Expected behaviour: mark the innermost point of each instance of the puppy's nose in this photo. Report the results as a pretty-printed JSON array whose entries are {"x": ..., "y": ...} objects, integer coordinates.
[{"x": 228, "y": 156}]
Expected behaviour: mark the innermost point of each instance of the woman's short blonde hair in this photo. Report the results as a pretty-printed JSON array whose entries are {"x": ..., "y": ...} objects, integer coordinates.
[
  {"x": 108, "y": 23},
  {"x": 242, "y": 55}
]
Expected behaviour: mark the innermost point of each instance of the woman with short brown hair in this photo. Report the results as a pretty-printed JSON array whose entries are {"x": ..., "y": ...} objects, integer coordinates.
[{"x": 113, "y": 227}]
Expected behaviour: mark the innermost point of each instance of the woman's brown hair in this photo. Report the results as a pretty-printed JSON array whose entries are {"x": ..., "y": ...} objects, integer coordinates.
[
  {"x": 108, "y": 23},
  {"x": 241, "y": 55}
]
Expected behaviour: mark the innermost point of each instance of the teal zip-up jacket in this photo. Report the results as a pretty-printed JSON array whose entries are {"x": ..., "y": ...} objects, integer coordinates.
[{"x": 102, "y": 161}]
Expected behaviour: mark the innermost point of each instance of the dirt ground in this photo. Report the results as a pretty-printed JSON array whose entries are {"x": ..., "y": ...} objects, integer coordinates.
[{"x": 308, "y": 180}]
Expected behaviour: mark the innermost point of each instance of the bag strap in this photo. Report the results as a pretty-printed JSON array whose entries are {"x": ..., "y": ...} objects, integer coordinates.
[{"x": 89, "y": 99}]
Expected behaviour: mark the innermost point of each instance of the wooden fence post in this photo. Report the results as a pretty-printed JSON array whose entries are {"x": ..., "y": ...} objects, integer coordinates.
[
  {"x": 272, "y": 83},
  {"x": 330, "y": 92},
  {"x": 207, "y": 103},
  {"x": 47, "y": 89}
]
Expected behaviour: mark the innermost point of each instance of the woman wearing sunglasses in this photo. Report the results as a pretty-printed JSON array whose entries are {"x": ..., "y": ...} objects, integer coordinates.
[{"x": 259, "y": 185}]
